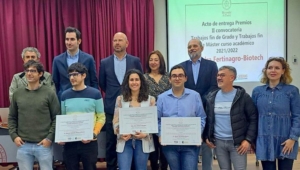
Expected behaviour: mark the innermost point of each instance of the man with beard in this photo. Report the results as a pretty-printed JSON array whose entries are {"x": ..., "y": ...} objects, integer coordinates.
[
  {"x": 231, "y": 121},
  {"x": 112, "y": 71},
  {"x": 32, "y": 117},
  {"x": 201, "y": 75}
]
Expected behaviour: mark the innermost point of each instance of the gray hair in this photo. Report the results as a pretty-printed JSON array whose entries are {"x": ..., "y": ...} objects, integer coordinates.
[
  {"x": 31, "y": 49},
  {"x": 198, "y": 40},
  {"x": 230, "y": 68}
]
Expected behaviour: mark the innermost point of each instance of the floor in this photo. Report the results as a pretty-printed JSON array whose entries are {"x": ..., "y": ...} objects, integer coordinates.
[{"x": 251, "y": 165}]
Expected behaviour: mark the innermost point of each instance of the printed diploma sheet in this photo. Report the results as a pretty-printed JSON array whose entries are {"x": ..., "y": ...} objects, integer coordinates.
[
  {"x": 138, "y": 119},
  {"x": 180, "y": 131},
  {"x": 74, "y": 127}
]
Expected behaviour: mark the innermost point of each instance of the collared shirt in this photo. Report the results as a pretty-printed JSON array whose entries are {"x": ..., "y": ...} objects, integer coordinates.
[
  {"x": 72, "y": 59},
  {"x": 196, "y": 68},
  {"x": 187, "y": 105},
  {"x": 120, "y": 67}
]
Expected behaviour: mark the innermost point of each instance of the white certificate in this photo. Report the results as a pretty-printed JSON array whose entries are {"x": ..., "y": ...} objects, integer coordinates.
[
  {"x": 138, "y": 119},
  {"x": 74, "y": 127},
  {"x": 180, "y": 131}
]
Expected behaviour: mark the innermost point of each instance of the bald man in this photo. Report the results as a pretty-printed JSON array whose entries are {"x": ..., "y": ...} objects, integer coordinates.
[
  {"x": 111, "y": 75},
  {"x": 202, "y": 77}
]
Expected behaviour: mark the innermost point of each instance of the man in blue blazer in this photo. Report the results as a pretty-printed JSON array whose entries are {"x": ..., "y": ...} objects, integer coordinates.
[
  {"x": 112, "y": 71},
  {"x": 72, "y": 55},
  {"x": 202, "y": 77}
]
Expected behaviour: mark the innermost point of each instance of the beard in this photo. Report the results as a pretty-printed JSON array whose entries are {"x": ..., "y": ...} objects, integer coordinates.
[{"x": 194, "y": 55}]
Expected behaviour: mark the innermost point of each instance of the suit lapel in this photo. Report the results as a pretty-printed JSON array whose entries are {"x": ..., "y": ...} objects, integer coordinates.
[
  {"x": 65, "y": 63},
  {"x": 202, "y": 71},
  {"x": 112, "y": 60},
  {"x": 80, "y": 57},
  {"x": 190, "y": 73},
  {"x": 128, "y": 63}
]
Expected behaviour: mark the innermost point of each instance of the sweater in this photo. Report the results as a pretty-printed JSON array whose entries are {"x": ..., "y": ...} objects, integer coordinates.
[
  {"x": 88, "y": 100},
  {"x": 32, "y": 114}
]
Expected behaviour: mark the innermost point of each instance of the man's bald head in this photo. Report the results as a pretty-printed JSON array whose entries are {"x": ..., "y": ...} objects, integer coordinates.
[{"x": 120, "y": 43}]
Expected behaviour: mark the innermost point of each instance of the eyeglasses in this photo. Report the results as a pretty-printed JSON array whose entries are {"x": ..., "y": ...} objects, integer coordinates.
[
  {"x": 73, "y": 74},
  {"x": 180, "y": 76},
  {"x": 221, "y": 75},
  {"x": 31, "y": 71}
]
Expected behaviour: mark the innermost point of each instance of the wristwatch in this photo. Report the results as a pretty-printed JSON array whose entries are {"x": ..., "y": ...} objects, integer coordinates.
[{"x": 94, "y": 136}]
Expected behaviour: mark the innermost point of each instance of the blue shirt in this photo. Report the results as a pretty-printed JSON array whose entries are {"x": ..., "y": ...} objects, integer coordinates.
[
  {"x": 120, "y": 68},
  {"x": 223, "y": 103},
  {"x": 196, "y": 69},
  {"x": 72, "y": 59},
  {"x": 279, "y": 120},
  {"x": 187, "y": 105}
]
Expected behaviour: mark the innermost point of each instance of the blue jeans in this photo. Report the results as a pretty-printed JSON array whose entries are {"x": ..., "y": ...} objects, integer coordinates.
[
  {"x": 133, "y": 149},
  {"x": 207, "y": 156},
  {"x": 28, "y": 152},
  {"x": 181, "y": 157},
  {"x": 227, "y": 154}
]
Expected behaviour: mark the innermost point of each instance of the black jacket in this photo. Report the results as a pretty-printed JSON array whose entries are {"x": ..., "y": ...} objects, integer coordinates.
[{"x": 243, "y": 116}]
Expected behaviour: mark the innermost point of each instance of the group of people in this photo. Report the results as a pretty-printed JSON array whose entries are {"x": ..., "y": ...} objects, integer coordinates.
[{"x": 231, "y": 120}]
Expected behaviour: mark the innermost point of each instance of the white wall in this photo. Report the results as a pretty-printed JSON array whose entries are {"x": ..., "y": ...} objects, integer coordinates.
[
  {"x": 160, "y": 39},
  {"x": 293, "y": 39},
  {"x": 293, "y": 34}
]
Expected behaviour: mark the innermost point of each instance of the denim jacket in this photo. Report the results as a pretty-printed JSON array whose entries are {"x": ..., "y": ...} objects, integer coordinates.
[{"x": 279, "y": 120}]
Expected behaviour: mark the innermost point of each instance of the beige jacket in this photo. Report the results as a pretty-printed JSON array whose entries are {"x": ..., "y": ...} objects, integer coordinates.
[
  {"x": 147, "y": 142},
  {"x": 19, "y": 80}
]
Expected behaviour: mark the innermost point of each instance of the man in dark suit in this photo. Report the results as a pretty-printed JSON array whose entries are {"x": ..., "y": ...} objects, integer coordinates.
[
  {"x": 201, "y": 75},
  {"x": 72, "y": 55},
  {"x": 112, "y": 71}
]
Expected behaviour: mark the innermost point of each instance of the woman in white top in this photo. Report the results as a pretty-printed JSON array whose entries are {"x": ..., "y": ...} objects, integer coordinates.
[{"x": 136, "y": 146}]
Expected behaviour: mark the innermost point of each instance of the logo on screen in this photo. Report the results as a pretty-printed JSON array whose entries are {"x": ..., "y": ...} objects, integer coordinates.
[
  {"x": 226, "y": 4},
  {"x": 3, "y": 156}
]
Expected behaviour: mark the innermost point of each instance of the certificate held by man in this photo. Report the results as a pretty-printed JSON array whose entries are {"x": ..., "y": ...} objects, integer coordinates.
[
  {"x": 74, "y": 127},
  {"x": 180, "y": 131},
  {"x": 138, "y": 119}
]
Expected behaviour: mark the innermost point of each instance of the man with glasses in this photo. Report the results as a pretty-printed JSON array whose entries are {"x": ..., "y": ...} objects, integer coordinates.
[
  {"x": 19, "y": 79},
  {"x": 72, "y": 55},
  {"x": 31, "y": 120},
  {"x": 180, "y": 102},
  {"x": 201, "y": 75},
  {"x": 77, "y": 100},
  {"x": 231, "y": 121}
]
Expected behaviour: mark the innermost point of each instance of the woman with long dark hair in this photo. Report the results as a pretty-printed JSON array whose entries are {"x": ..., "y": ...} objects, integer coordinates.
[
  {"x": 158, "y": 82},
  {"x": 136, "y": 146}
]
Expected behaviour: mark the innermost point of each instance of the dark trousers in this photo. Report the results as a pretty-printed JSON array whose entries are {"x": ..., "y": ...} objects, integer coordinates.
[
  {"x": 74, "y": 152},
  {"x": 283, "y": 164},
  {"x": 157, "y": 154},
  {"x": 111, "y": 142}
]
